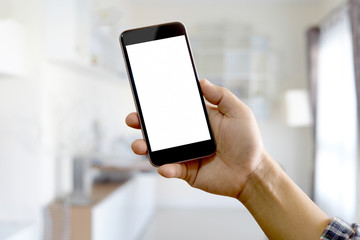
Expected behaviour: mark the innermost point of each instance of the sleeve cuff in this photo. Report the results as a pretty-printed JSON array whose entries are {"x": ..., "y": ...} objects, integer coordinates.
[{"x": 338, "y": 229}]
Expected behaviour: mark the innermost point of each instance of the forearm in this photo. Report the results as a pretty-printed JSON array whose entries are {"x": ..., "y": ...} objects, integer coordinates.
[{"x": 279, "y": 206}]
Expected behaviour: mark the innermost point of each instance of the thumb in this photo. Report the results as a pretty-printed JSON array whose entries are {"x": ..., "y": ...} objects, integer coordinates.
[
  {"x": 187, "y": 171},
  {"x": 175, "y": 170},
  {"x": 225, "y": 100}
]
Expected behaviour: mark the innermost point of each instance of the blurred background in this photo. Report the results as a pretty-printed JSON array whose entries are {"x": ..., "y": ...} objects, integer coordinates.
[{"x": 66, "y": 166}]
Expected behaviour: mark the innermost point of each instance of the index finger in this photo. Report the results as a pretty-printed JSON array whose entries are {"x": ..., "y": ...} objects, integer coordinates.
[
  {"x": 132, "y": 120},
  {"x": 226, "y": 102}
]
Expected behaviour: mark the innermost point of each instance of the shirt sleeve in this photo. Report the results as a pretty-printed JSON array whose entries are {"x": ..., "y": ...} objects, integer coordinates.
[{"x": 340, "y": 230}]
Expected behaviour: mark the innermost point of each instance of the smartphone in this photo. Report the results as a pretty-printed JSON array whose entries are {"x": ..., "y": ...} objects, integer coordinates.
[{"x": 167, "y": 93}]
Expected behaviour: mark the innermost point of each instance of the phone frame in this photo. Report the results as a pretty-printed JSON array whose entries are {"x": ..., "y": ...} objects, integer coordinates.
[{"x": 179, "y": 153}]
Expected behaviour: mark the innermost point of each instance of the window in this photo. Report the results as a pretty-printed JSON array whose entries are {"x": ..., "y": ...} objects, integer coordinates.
[{"x": 335, "y": 177}]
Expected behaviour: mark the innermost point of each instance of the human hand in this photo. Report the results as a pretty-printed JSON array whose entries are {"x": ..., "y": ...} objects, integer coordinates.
[
  {"x": 239, "y": 146},
  {"x": 242, "y": 169}
]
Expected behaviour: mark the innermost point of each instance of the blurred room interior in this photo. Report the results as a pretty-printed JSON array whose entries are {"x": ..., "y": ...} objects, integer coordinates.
[{"x": 66, "y": 166}]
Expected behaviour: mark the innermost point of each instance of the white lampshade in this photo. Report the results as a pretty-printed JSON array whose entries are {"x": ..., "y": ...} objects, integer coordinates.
[{"x": 297, "y": 108}]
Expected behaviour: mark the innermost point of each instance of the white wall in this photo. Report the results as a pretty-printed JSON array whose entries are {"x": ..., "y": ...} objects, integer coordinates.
[
  {"x": 20, "y": 129},
  {"x": 47, "y": 113},
  {"x": 19, "y": 149}
]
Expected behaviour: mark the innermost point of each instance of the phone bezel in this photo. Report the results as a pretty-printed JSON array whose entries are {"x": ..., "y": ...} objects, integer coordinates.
[{"x": 175, "y": 154}]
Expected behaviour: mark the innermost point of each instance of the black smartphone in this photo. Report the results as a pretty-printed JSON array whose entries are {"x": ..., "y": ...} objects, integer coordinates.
[{"x": 167, "y": 93}]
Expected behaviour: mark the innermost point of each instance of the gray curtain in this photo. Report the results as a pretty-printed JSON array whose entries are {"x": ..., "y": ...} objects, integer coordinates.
[
  {"x": 313, "y": 37},
  {"x": 354, "y": 11},
  {"x": 313, "y": 40}
]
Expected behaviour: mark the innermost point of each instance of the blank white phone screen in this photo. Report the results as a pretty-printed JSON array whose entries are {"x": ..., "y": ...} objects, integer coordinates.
[{"x": 168, "y": 93}]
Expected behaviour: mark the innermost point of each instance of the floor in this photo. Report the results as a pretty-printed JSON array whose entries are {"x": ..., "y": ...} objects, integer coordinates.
[{"x": 209, "y": 224}]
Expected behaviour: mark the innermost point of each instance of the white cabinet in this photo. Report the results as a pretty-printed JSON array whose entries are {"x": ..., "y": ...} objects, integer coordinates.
[
  {"x": 125, "y": 213},
  {"x": 18, "y": 231},
  {"x": 118, "y": 210}
]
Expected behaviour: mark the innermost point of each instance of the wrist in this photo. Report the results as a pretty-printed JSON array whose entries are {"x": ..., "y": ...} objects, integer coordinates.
[
  {"x": 263, "y": 176},
  {"x": 280, "y": 207}
]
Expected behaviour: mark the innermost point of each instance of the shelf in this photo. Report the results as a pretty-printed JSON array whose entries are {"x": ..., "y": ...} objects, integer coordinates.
[{"x": 88, "y": 70}]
